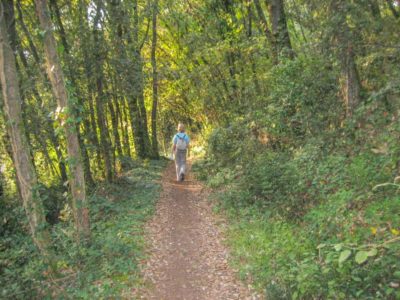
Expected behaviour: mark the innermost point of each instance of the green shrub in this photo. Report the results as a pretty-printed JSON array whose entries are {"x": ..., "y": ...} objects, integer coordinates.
[
  {"x": 108, "y": 267},
  {"x": 317, "y": 220}
]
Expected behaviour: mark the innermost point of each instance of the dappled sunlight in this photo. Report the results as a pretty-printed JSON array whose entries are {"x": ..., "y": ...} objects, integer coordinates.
[{"x": 285, "y": 113}]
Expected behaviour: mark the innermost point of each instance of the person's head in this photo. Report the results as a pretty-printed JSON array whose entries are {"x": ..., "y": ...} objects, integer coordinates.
[{"x": 181, "y": 127}]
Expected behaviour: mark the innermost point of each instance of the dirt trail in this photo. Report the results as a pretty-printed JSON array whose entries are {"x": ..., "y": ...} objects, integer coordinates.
[{"x": 187, "y": 257}]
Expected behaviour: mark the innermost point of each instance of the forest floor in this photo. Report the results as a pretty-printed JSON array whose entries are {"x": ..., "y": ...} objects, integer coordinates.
[{"x": 187, "y": 258}]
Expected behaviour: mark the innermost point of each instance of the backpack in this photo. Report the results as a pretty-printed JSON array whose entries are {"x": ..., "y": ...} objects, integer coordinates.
[{"x": 181, "y": 144}]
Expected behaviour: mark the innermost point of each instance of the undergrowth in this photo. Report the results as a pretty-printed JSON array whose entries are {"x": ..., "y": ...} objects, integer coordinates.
[
  {"x": 314, "y": 207},
  {"x": 108, "y": 267},
  {"x": 322, "y": 231}
]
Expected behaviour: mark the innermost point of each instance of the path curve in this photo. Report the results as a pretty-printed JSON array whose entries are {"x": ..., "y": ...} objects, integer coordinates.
[{"x": 187, "y": 257}]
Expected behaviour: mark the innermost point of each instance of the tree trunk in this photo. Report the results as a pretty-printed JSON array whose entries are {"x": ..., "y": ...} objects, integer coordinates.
[
  {"x": 154, "y": 142},
  {"x": 67, "y": 121},
  {"x": 265, "y": 28},
  {"x": 280, "y": 33},
  {"x": 32, "y": 46},
  {"x": 351, "y": 84},
  {"x": 8, "y": 148},
  {"x": 249, "y": 33},
  {"x": 25, "y": 171},
  {"x": 78, "y": 93},
  {"x": 115, "y": 115},
  {"x": 138, "y": 88},
  {"x": 114, "y": 122},
  {"x": 124, "y": 117},
  {"x": 48, "y": 122},
  {"x": 86, "y": 162},
  {"x": 100, "y": 98},
  {"x": 349, "y": 81},
  {"x": 131, "y": 76},
  {"x": 89, "y": 122}
]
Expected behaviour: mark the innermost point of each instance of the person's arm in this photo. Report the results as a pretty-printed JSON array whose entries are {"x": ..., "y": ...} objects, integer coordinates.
[
  {"x": 173, "y": 145},
  {"x": 188, "y": 146}
]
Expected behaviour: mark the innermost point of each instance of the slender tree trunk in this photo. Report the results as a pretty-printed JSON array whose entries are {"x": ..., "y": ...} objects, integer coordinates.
[
  {"x": 53, "y": 138},
  {"x": 154, "y": 142},
  {"x": 67, "y": 121},
  {"x": 56, "y": 11},
  {"x": 350, "y": 80},
  {"x": 265, "y": 28},
  {"x": 249, "y": 33},
  {"x": 123, "y": 112},
  {"x": 144, "y": 140},
  {"x": 131, "y": 76},
  {"x": 114, "y": 122},
  {"x": 115, "y": 116},
  {"x": 25, "y": 171},
  {"x": 32, "y": 47},
  {"x": 280, "y": 32},
  {"x": 78, "y": 92},
  {"x": 86, "y": 161},
  {"x": 26, "y": 32},
  {"x": 351, "y": 85},
  {"x": 89, "y": 122},
  {"x": 100, "y": 97},
  {"x": 102, "y": 124},
  {"x": 8, "y": 148},
  {"x": 49, "y": 123},
  {"x": 232, "y": 54}
]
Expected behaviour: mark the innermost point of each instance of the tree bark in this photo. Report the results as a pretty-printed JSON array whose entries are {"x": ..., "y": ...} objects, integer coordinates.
[
  {"x": 25, "y": 171},
  {"x": 350, "y": 81},
  {"x": 133, "y": 73},
  {"x": 32, "y": 46},
  {"x": 78, "y": 92},
  {"x": 154, "y": 142},
  {"x": 249, "y": 33},
  {"x": 48, "y": 122},
  {"x": 265, "y": 28},
  {"x": 119, "y": 21},
  {"x": 280, "y": 33},
  {"x": 124, "y": 117},
  {"x": 138, "y": 88},
  {"x": 114, "y": 121},
  {"x": 351, "y": 85},
  {"x": 8, "y": 148},
  {"x": 100, "y": 98},
  {"x": 66, "y": 116}
]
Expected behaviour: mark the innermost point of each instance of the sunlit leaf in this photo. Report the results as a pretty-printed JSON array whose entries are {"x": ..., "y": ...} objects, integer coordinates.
[
  {"x": 361, "y": 257},
  {"x": 344, "y": 255}
]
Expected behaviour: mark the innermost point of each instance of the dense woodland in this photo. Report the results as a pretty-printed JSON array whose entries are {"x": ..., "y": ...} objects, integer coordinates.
[{"x": 293, "y": 107}]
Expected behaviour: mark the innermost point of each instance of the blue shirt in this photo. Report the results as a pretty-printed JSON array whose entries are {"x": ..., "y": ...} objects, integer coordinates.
[{"x": 182, "y": 135}]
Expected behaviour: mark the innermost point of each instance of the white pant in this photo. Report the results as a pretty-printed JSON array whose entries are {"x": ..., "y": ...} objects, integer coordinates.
[{"x": 180, "y": 162}]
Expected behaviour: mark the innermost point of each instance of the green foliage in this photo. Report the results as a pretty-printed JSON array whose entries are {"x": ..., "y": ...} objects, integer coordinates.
[
  {"x": 108, "y": 267},
  {"x": 312, "y": 189},
  {"x": 307, "y": 224},
  {"x": 314, "y": 213},
  {"x": 301, "y": 105}
]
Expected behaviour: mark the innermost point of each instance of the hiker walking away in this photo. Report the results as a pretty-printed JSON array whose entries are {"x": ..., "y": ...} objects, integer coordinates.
[{"x": 180, "y": 148}]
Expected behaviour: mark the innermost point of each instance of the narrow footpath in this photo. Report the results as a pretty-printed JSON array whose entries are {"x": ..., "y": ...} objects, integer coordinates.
[{"x": 187, "y": 256}]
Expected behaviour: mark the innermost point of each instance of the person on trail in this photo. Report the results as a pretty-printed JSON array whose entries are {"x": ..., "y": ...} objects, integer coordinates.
[{"x": 180, "y": 148}]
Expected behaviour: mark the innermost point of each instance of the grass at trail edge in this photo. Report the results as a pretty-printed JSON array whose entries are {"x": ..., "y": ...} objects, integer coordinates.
[{"x": 109, "y": 267}]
